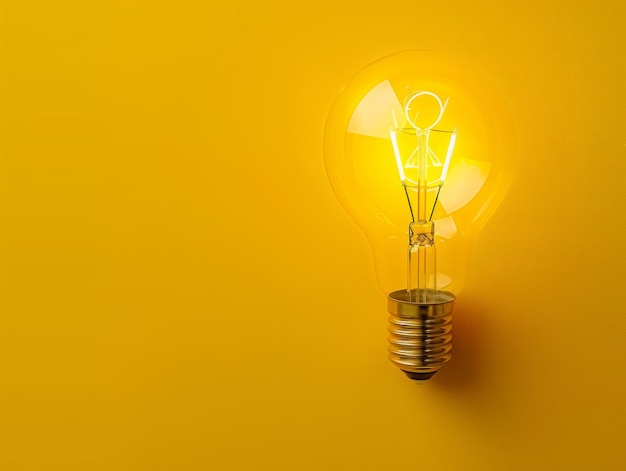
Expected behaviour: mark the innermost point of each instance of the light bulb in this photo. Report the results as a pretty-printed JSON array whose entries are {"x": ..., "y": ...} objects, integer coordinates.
[{"x": 418, "y": 150}]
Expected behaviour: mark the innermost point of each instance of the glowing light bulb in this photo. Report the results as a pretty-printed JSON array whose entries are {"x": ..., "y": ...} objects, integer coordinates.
[{"x": 418, "y": 150}]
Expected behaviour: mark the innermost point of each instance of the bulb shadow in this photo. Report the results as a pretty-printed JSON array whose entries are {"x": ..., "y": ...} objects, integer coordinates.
[{"x": 466, "y": 371}]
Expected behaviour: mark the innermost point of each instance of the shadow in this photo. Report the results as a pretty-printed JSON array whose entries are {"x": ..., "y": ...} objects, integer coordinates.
[{"x": 466, "y": 371}]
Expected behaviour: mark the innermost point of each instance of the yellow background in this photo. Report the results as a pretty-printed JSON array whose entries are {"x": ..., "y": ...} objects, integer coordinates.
[{"x": 181, "y": 290}]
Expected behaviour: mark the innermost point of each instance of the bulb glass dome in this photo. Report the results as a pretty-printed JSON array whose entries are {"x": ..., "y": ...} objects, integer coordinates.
[{"x": 419, "y": 142}]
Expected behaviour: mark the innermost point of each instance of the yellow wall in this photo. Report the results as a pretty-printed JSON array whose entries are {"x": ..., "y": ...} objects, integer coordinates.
[{"x": 180, "y": 289}]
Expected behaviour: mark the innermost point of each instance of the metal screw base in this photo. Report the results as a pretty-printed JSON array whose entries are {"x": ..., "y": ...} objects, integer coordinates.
[{"x": 420, "y": 334}]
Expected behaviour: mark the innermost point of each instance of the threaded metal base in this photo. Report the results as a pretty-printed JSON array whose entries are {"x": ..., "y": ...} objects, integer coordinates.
[{"x": 420, "y": 334}]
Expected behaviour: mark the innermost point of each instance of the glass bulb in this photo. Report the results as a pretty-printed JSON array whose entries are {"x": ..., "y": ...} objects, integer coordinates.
[{"x": 418, "y": 150}]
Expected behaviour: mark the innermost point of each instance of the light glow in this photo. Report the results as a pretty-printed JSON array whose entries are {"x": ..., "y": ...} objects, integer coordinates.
[
  {"x": 446, "y": 227},
  {"x": 369, "y": 119},
  {"x": 444, "y": 171},
  {"x": 463, "y": 184},
  {"x": 396, "y": 153}
]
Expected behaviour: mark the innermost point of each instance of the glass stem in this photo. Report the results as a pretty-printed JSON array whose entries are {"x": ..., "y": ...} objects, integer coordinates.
[{"x": 422, "y": 255}]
